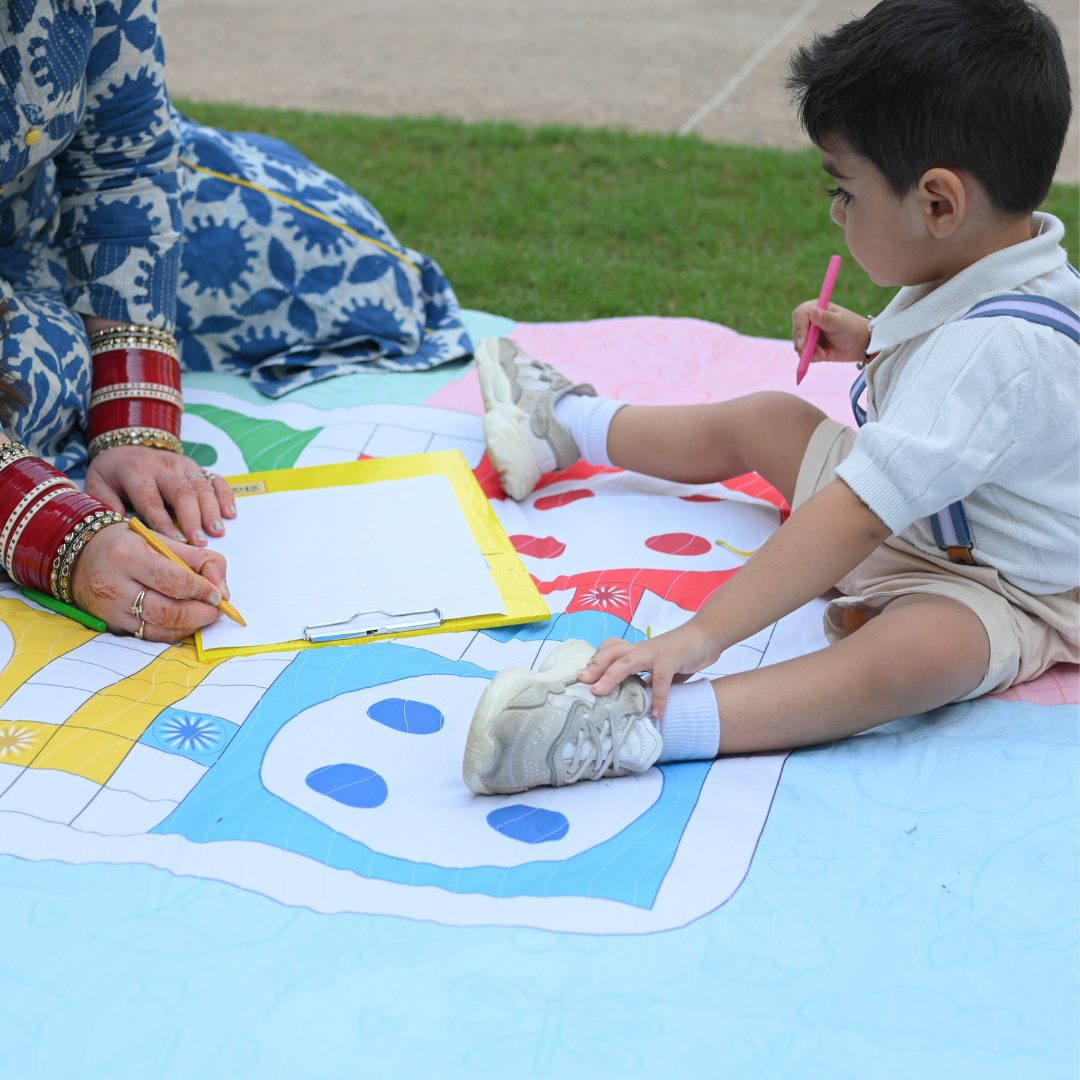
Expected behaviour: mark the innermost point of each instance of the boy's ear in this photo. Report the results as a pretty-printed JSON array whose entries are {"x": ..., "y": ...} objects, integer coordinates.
[{"x": 944, "y": 201}]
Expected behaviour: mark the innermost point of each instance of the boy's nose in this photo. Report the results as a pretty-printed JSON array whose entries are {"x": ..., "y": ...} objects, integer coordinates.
[{"x": 836, "y": 212}]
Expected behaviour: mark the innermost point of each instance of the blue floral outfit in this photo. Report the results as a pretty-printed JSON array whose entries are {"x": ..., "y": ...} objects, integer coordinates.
[{"x": 112, "y": 204}]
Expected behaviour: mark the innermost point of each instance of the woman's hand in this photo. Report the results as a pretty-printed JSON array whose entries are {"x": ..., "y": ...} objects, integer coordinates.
[
  {"x": 149, "y": 479},
  {"x": 845, "y": 336},
  {"x": 117, "y": 564},
  {"x": 671, "y": 657}
]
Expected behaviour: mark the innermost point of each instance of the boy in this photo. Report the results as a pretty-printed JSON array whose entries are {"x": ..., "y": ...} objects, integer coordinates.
[{"x": 942, "y": 122}]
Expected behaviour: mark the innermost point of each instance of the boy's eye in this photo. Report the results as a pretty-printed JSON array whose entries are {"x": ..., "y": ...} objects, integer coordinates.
[{"x": 839, "y": 193}]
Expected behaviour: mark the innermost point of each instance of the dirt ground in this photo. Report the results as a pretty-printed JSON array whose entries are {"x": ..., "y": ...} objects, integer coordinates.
[{"x": 648, "y": 65}]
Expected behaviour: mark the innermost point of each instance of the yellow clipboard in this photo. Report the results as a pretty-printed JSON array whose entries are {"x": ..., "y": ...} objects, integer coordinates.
[{"x": 522, "y": 599}]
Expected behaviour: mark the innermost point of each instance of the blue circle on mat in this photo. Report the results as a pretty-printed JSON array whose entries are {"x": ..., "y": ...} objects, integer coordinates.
[
  {"x": 350, "y": 784},
  {"x": 529, "y": 824},
  {"x": 412, "y": 717}
]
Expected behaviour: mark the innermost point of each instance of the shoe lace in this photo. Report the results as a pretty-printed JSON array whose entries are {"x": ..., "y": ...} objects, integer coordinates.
[{"x": 590, "y": 762}]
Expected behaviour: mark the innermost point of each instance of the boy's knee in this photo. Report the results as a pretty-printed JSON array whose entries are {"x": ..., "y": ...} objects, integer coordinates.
[{"x": 774, "y": 407}]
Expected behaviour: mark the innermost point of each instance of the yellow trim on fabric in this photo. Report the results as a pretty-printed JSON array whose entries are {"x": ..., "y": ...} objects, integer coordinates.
[
  {"x": 40, "y": 637},
  {"x": 520, "y": 595},
  {"x": 128, "y": 707},
  {"x": 300, "y": 206},
  {"x": 95, "y": 755},
  {"x": 737, "y": 551}
]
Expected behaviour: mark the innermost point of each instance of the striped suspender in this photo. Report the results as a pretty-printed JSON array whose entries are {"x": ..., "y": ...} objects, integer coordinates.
[
  {"x": 950, "y": 526},
  {"x": 857, "y": 388}
]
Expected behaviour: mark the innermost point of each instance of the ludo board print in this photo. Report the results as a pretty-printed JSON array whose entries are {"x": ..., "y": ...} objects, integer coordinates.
[{"x": 331, "y": 779}]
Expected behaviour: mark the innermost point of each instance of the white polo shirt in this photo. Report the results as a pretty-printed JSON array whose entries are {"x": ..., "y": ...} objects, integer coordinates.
[{"x": 986, "y": 411}]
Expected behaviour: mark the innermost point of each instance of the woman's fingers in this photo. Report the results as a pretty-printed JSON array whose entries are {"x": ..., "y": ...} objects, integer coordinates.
[
  {"x": 100, "y": 489},
  {"x": 209, "y": 508},
  {"x": 147, "y": 503},
  {"x": 184, "y": 499},
  {"x": 174, "y": 581},
  {"x": 176, "y": 616},
  {"x": 149, "y": 478},
  {"x": 206, "y": 563},
  {"x": 117, "y": 565},
  {"x": 225, "y": 497}
]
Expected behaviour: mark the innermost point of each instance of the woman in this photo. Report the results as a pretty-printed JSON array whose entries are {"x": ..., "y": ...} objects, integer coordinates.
[{"x": 133, "y": 242}]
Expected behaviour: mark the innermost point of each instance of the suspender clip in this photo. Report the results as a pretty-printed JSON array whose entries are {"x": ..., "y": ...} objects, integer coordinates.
[{"x": 961, "y": 555}]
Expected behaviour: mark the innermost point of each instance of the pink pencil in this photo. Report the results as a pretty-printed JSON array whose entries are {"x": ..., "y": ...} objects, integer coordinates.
[{"x": 815, "y": 331}]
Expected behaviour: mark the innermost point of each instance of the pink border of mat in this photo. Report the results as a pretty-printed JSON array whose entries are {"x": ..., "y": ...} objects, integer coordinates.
[{"x": 653, "y": 361}]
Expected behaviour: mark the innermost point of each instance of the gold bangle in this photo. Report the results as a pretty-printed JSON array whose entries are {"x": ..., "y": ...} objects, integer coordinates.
[
  {"x": 134, "y": 337},
  {"x": 73, "y": 543},
  {"x": 145, "y": 391},
  {"x": 12, "y": 452},
  {"x": 135, "y": 436}
]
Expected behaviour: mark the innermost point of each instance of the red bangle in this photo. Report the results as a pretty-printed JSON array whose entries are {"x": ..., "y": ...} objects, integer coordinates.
[
  {"x": 32, "y": 563},
  {"x": 135, "y": 413},
  {"x": 134, "y": 365},
  {"x": 135, "y": 397},
  {"x": 44, "y": 521}
]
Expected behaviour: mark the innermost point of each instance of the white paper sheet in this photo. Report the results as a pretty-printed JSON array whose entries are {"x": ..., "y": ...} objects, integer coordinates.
[{"x": 302, "y": 557}]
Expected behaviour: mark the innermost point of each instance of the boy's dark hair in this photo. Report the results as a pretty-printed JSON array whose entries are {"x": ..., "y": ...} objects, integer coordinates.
[{"x": 979, "y": 85}]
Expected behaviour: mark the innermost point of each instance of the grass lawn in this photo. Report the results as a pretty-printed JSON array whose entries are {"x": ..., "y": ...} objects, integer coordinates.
[{"x": 562, "y": 223}]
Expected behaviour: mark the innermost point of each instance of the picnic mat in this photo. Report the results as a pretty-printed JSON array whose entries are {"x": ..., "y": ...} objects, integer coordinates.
[{"x": 269, "y": 867}]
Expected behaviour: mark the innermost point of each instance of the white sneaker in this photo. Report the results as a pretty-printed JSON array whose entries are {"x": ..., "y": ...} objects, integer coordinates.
[
  {"x": 523, "y": 435},
  {"x": 534, "y": 728}
]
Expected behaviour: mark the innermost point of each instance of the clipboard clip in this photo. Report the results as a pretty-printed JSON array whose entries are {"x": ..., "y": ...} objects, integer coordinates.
[{"x": 369, "y": 623}]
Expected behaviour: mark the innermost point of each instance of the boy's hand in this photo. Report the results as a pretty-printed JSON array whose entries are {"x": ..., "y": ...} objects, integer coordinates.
[
  {"x": 670, "y": 657},
  {"x": 845, "y": 336}
]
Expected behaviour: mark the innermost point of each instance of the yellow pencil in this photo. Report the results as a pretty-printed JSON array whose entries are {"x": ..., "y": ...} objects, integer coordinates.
[{"x": 162, "y": 548}]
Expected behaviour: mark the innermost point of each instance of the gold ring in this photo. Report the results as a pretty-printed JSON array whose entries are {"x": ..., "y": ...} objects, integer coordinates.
[
  {"x": 141, "y": 632},
  {"x": 136, "y": 608}
]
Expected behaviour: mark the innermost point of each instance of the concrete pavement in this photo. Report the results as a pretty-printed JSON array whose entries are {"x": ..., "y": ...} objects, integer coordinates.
[{"x": 647, "y": 65}]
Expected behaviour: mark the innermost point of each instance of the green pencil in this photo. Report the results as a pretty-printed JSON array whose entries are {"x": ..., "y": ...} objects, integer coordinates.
[{"x": 65, "y": 609}]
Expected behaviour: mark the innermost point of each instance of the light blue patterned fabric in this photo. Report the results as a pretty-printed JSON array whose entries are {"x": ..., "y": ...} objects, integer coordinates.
[
  {"x": 297, "y": 277},
  {"x": 109, "y": 206}
]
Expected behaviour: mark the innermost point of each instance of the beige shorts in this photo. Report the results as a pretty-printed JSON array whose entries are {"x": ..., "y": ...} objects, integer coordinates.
[{"x": 1027, "y": 633}]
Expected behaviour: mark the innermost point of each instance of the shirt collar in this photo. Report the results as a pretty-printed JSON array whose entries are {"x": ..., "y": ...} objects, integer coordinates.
[{"x": 919, "y": 309}]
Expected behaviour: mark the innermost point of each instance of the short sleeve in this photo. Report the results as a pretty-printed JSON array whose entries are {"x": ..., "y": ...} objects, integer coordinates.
[{"x": 951, "y": 421}]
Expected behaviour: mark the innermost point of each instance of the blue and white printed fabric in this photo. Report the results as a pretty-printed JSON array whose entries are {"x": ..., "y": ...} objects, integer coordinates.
[
  {"x": 288, "y": 274},
  {"x": 111, "y": 204}
]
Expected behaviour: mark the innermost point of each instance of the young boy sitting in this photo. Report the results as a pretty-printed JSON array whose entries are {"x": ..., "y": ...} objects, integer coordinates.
[{"x": 949, "y": 522}]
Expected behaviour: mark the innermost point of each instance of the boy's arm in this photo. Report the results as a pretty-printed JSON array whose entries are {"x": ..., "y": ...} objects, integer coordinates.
[{"x": 822, "y": 541}]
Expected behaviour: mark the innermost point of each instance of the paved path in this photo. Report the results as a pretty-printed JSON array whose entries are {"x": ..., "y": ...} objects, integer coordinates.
[{"x": 650, "y": 65}]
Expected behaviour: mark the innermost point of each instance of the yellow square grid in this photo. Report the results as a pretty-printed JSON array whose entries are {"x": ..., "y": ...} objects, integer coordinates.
[
  {"x": 95, "y": 755},
  {"x": 130, "y": 706}
]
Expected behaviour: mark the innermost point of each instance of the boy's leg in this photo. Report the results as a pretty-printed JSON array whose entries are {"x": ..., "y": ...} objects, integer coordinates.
[
  {"x": 766, "y": 433},
  {"x": 537, "y": 421},
  {"x": 539, "y": 728},
  {"x": 922, "y": 651}
]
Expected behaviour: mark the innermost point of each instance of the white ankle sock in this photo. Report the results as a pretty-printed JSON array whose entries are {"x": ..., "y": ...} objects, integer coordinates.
[
  {"x": 690, "y": 726},
  {"x": 588, "y": 420}
]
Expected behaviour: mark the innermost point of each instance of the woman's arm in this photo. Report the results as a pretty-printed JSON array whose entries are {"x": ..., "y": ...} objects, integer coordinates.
[
  {"x": 119, "y": 190},
  {"x": 121, "y": 220}
]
